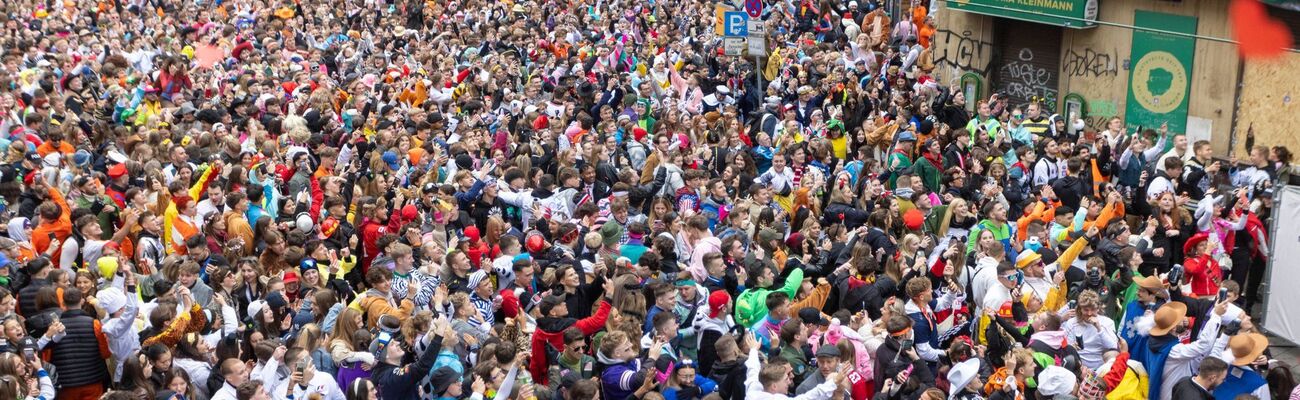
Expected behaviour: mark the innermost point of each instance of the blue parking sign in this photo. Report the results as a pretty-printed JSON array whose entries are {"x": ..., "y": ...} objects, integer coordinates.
[{"x": 736, "y": 24}]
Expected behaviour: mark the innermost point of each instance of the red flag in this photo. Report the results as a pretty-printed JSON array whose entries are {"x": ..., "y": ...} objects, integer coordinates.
[{"x": 1258, "y": 35}]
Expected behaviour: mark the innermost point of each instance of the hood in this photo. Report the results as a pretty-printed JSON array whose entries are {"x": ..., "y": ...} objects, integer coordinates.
[
  {"x": 16, "y": 231},
  {"x": 911, "y": 308},
  {"x": 701, "y": 299},
  {"x": 1053, "y": 339},
  {"x": 552, "y": 324},
  {"x": 606, "y": 360},
  {"x": 715, "y": 324},
  {"x": 722, "y": 368}
]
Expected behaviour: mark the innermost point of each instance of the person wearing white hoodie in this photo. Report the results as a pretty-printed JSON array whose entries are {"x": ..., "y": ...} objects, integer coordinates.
[{"x": 119, "y": 324}]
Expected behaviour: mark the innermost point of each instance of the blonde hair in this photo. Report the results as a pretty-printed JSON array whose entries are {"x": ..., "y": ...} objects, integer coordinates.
[
  {"x": 344, "y": 328},
  {"x": 460, "y": 302},
  {"x": 956, "y": 204},
  {"x": 1089, "y": 298},
  {"x": 910, "y": 240},
  {"x": 612, "y": 341}
]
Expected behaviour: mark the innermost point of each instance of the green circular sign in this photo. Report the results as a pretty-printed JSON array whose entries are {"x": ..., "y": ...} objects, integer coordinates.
[{"x": 1159, "y": 82}]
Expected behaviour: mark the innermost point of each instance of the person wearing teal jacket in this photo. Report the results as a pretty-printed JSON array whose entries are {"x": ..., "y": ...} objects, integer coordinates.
[
  {"x": 751, "y": 305},
  {"x": 996, "y": 223}
]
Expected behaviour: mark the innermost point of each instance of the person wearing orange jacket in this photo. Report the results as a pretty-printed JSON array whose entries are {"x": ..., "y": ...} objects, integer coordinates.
[{"x": 56, "y": 221}]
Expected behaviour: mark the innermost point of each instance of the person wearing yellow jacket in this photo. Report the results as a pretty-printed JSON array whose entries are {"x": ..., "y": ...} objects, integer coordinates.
[
  {"x": 170, "y": 211},
  {"x": 1045, "y": 285},
  {"x": 1038, "y": 292}
]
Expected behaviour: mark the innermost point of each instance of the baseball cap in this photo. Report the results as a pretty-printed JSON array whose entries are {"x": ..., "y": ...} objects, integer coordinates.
[
  {"x": 549, "y": 302},
  {"x": 810, "y": 315}
]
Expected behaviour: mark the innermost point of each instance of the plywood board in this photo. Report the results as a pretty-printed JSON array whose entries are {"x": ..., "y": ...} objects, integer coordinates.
[{"x": 1269, "y": 95}]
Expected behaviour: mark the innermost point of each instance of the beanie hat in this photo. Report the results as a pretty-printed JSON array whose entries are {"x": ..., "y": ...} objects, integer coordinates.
[
  {"x": 475, "y": 279},
  {"x": 795, "y": 241},
  {"x": 111, "y": 299},
  {"x": 510, "y": 305},
  {"x": 305, "y": 265},
  {"x": 107, "y": 266},
  {"x": 441, "y": 380},
  {"x": 717, "y": 300}
]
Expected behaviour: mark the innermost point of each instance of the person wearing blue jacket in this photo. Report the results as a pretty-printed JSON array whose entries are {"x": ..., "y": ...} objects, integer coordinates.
[
  {"x": 685, "y": 383},
  {"x": 622, "y": 372}
]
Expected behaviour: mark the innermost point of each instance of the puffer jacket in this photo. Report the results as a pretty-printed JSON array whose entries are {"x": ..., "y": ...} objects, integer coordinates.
[{"x": 82, "y": 341}]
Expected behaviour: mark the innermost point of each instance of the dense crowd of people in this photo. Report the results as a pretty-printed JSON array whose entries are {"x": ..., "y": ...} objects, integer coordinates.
[{"x": 251, "y": 199}]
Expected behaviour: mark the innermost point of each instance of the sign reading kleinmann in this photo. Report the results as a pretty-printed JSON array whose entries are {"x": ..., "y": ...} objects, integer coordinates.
[{"x": 1067, "y": 13}]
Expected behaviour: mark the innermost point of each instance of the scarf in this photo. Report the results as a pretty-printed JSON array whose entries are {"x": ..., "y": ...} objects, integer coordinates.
[{"x": 934, "y": 158}]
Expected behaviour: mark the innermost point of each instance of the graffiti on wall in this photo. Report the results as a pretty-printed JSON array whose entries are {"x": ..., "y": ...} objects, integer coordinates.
[
  {"x": 961, "y": 52},
  {"x": 1023, "y": 79},
  {"x": 1099, "y": 112},
  {"x": 1091, "y": 63}
]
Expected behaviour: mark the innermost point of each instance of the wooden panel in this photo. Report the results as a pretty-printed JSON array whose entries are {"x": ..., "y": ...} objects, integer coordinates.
[
  {"x": 963, "y": 43},
  {"x": 1269, "y": 101},
  {"x": 1095, "y": 63}
]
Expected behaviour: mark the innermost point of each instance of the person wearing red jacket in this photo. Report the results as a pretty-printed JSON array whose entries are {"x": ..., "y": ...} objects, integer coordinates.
[
  {"x": 378, "y": 222},
  {"x": 1202, "y": 271},
  {"x": 555, "y": 319}
]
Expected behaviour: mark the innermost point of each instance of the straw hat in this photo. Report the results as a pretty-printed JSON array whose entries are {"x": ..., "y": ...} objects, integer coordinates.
[
  {"x": 1247, "y": 347},
  {"x": 1168, "y": 317},
  {"x": 1150, "y": 282}
]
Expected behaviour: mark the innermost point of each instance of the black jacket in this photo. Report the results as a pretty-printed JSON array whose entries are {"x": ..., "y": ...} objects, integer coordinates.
[
  {"x": 856, "y": 296},
  {"x": 1071, "y": 190},
  {"x": 40, "y": 322},
  {"x": 889, "y": 363},
  {"x": 27, "y": 297},
  {"x": 1187, "y": 389},
  {"x": 730, "y": 377},
  {"x": 81, "y": 343},
  {"x": 850, "y": 216}
]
